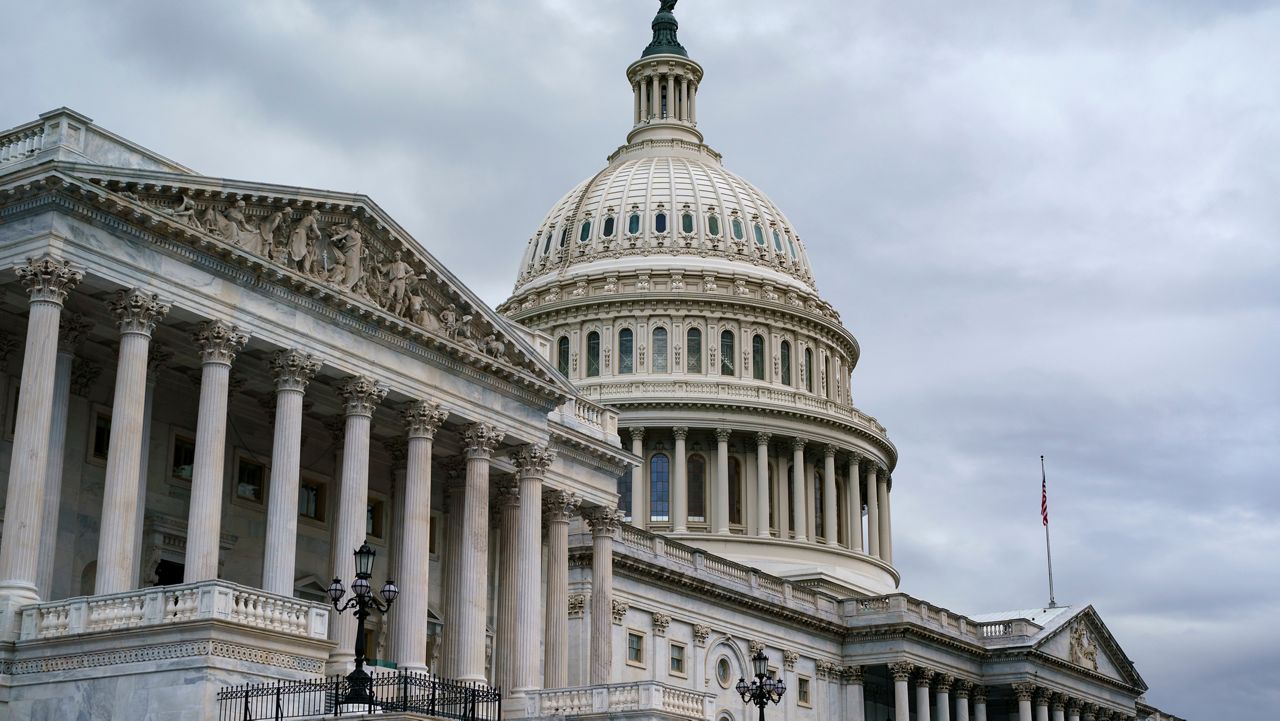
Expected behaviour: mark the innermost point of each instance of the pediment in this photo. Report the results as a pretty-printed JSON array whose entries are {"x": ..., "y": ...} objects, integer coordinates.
[{"x": 1084, "y": 641}]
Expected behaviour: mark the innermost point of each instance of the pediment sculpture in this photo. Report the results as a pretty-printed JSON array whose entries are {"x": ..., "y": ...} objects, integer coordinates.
[{"x": 1083, "y": 650}]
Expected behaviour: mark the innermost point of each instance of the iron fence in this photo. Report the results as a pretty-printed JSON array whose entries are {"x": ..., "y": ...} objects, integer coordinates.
[{"x": 390, "y": 692}]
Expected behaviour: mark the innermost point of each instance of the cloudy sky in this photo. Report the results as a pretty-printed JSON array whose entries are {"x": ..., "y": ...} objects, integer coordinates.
[{"x": 1052, "y": 226}]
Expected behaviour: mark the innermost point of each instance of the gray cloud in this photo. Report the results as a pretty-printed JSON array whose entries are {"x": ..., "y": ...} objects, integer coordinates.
[{"x": 1049, "y": 224}]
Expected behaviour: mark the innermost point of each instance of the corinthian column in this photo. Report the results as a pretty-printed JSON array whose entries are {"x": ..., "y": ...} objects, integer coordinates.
[
  {"x": 854, "y": 705},
  {"x": 1024, "y": 691},
  {"x": 854, "y": 536},
  {"x": 360, "y": 395},
  {"x": 962, "y": 689},
  {"x": 639, "y": 496},
  {"x": 680, "y": 483},
  {"x": 873, "y": 512},
  {"x": 136, "y": 313},
  {"x": 532, "y": 463},
  {"x": 942, "y": 696},
  {"x": 798, "y": 511},
  {"x": 923, "y": 679},
  {"x": 455, "y": 576},
  {"x": 72, "y": 334},
  {"x": 47, "y": 280},
  {"x": 557, "y": 509},
  {"x": 1042, "y": 704},
  {"x": 722, "y": 480},
  {"x": 901, "y": 690},
  {"x": 504, "y": 657},
  {"x": 979, "y": 703},
  {"x": 293, "y": 370},
  {"x": 421, "y": 421},
  {"x": 1059, "y": 707},
  {"x": 762, "y": 485},
  {"x": 604, "y": 522},
  {"x": 886, "y": 519},
  {"x": 219, "y": 342},
  {"x": 830, "y": 508},
  {"x": 481, "y": 439}
]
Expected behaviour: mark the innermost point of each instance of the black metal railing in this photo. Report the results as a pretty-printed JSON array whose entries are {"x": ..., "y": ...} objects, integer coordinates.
[{"x": 391, "y": 692}]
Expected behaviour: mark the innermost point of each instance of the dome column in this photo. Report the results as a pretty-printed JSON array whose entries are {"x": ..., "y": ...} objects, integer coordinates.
[
  {"x": 886, "y": 529},
  {"x": 855, "y": 503},
  {"x": 639, "y": 509},
  {"x": 680, "y": 483},
  {"x": 762, "y": 484},
  {"x": 830, "y": 512},
  {"x": 722, "y": 480},
  {"x": 798, "y": 489},
  {"x": 873, "y": 512}
]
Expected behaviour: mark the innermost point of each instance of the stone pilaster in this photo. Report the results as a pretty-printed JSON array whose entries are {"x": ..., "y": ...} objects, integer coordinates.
[
  {"x": 292, "y": 371},
  {"x": 886, "y": 517},
  {"x": 136, "y": 313},
  {"x": 901, "y": 672},
  {"x": 762, "y": 485},
  {"x": 680, "y": 483},
  {"x": 558, "y": 508},
  {"x": 830, "y": 505},
  {"x": 480, "y": 439},
  {"x": 604, "y": 523},
  {"x": 854, "y": 700},
  {"x": 421, "y": 421},
  {"x": 798, "y": 500},
  {"x": 532, "y": 463}
]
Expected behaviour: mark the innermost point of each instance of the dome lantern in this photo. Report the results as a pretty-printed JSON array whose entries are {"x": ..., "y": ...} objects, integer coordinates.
[{"x": 664, "y": 85}]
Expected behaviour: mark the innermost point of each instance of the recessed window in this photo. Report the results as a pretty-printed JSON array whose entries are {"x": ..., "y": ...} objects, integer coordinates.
[
  {"x": 375, "y": 518},
  {"x": 626, "y": 351},
  {"x": 182, "y": 457},
  {"x": 693, "y": 348},
  {"x": 624, "y": 493},
  {"x": 311, "y": 500},
  {"x": 686, "y": 223},
  {"x": 737, "y": 228},
  {"x": 713, "y": 225},
  {"x": 101, "y": 435},
  {"x": 659, "y": 350},
  {"x": 635, "y": 648},
  {"x": 564, "y": 236},
  {"x": 659, "y": 487},
  {"x": 785, "y": 353},
  {"x": 609, "y": 226},
  {"x": 660, "y": 223},
  {"x": 777, "y": 241},
  {"x": 546, "y": 244},
  {"x": 633, "y": 223},
  {"x": 724, "y": 672},
  {"x": 593, "y": 354},
  {"x": 696, "y": 468},
  {"x": 726, "y": 353},
  {"x": 791, "y": 244},
  {"x": 585, "y": 233},
  {"x": 562, "y": 355},
  {"x": 735, "y": 491},
  {"x": 757, "y": 357},
  {"x": 759, "y": 235},
  {"x": 251, "y": 480},
  {"x": 804, "y": 691},
  {"x": 808, "y": 369},
  {"x": 676, "y": 656}
]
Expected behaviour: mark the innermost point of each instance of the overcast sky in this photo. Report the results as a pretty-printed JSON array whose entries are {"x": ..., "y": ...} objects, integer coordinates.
[{"x": 1052, "y": 226}]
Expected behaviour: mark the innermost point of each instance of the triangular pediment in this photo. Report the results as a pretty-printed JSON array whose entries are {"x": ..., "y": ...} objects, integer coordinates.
[{"x": 1083, "y": 640}]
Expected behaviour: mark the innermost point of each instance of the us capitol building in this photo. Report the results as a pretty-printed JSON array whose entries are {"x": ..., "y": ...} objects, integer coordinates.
[{"x": 601, "y": 498}]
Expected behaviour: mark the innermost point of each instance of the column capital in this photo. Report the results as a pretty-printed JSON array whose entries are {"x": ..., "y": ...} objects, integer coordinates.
[
  {"x": 71, "y": 332},
  {"x": 1043, "y": 695},
  {"x": 293, "y": 369},
  {"x": 423, "y": 418},
  {"x": 532, "y": 460},
  {"x": 481, "y": 439},
  {"x": 722, "y": 435},
  {"x": 361, "y": 394},
  {"x": 855, "y": 458},
  {"x": 84, "y": 373},
  {"x": 901, "y": 670},
  {"x": 558, "y": 505},
  {"x": 397, "y": 448},
  {"x": 680, "y": 432},
  {"x": 218, "y": 341},
  {"x": 789, "y": 659},
  {"x": 798, "y": 443},
  {"x": 962, "y": 688},
  {"x": 508, "y": 496},
  {"x": 157, "y": 357},
  {"x": 637, "y": 433},
  {"x": 882, "y": 472},
  {"x": 1058, "y": 701},
  {"x": 1074, "y": 704},
  {"x": 852, "y": 675},
  {"x": 1089, "y": 712},
  {"x": 48, "y": 279},
  {"x": 924, "y": 677},
  {"x": 603, "y": 521},
  {"x": 945, "y": 680},
  {"x": 137, "y": 311},
  {"x": 762, "y": 438},
  {"x": 1024, "y": 691},
  {"x": 980, "y": 693}
]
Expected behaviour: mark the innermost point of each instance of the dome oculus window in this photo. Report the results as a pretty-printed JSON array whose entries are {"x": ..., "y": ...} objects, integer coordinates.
[
  {"x": 660, "y": 223},
  {"x": 713, "y": 225},
  {"x": 609, "y": 226},
  {"x": 633, "y": 223},
  {"x": 585, "y": 234},
  {"x": 686, "y": 222},
  {"x": 724, "y": 672},
  {"x": 737, "y": 228}
]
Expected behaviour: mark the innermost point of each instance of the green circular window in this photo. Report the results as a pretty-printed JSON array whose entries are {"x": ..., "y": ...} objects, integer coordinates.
[{"x": 724, "y": 672}]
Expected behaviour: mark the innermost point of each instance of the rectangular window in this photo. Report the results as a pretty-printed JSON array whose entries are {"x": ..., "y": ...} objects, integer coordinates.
[
  {"x": 624, "y": 493},
  {"x": 804, "y": 692},
  {"x": 100, "y": 437},
  {"x": 311, "y": 500},
  {"x": 251, "y": 481},
  {"x": 635, "y": 649},
  {"x": 677, "y": 659},
  {"x": 182, "y": 457},
  {"x": 374, "y": 525},
  {"x": 693, "y": 351},
  {"x": 659, "y": 350}
]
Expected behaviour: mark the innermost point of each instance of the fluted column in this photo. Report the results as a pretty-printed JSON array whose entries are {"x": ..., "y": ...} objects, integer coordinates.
[
  {"x": 855, "y": 502},
  {"x": 901, "y": 672},
  {"x": 942, "y": 696},
  {"x": 360, "y": 395},
  {"x": 722, "y": 480},
  {"x": 219, "y": 342},
  {"x": 1042, "y": 704},
  {"x": 604, "y": 522},
  {"x": 924, "y": 677},
  {"x": 507, "y": 501},
  {"x": 481, "y": 439},
  {"x": 830, "y": 506},
  {"x": 137, "y": 313},
  {"x": 292, "y": 370},
  {"x": 639, "y": 487},
  {"x": 680, "y": 483},
  {"x": 798, "y": 507},
  {"x": 979, "y": 703},
  {"x": 962, "y": 689},
  {"x": 854, "y": 703},
  {"x": 655, "y": 102},
  {"x": 456, "y": 577},
  {"x": 72, "y": 332},
  {"x": 671, "y": 96},
  {"x": 157, "y": 358},
  {"x": 558, "y": 507},
  {"x": 1024, "y": 691},
  {"x": 47, "y": 280},
  {"x": 886, "y": 517},
  {"x": 873, "y": 511},
  {"x": 1058, "y": 707},
  {"x": 762, "y": 485},
  {"x": 532, "y": 463},
  {"x": 421, "y": 421}
]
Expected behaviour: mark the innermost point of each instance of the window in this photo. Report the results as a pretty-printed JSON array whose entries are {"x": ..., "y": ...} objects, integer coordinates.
[
  {"x": 735, "y": 491},
  {"x": 819, "y": 498},
  {"x": 808, "y": 369},
  {"x": 659, "y": 350},
  {"x": 100, "y": 435},
  {"x": 633, "y": 223},
  {"x": 737, "y": 228},
  {"x": 726, "y": 353},
  {"x": 564, "y": 236},
  {"x": 593, "y": 354},
  {"x": 624, "y": 493},
  {"x": 693, "y": 350},
  {"x": 251, "y": 480},
  {"x": 660, "y": 222},
  {"x": 375, "y": 518},
  {"x": 757, "y": 357},
  {"x": 585, "y": 234},
  {"x": 826, "y": 376},
  {"x": 635, "y": 649},
  {"x": 777, "y": 241},
  {"x": 791, "y": 245},
  {"x": 759, "y": 235},
  {"x": 182, "y": 457},
  {"x": 562, "y": 355},
  {"x": 677, "y": 659},
  {"x": 686, "y": 222},
  {"x": 793, "y": 512},
  {"x": 626, "y": 351},
  {"x": 696, "y": 467},
  {"x": 713, "y": 225},
  {"x": 724, "y": 672},
  {"x": 785, "y": 352},
  {"x": 546, "y": 245},
  {"x": 608, "y": 227},
  {"x": 659, "y": 487},
  {"x": 311, "y": 500},
  {"x": 804, "y": 692}
]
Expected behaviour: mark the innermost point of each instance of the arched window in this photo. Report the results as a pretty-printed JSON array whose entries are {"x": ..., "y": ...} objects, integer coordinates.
[
  {"x": 593, "y": 354},
  {"x": 735, "y": 491},
  {"x": 564, "y": 236},
  {"x": 624, "y": 493},
  {"x": 826, "y": 377},
  {"x": 660, "y": 222},
  {"x": 609, "y": 226},
  {"x": 737, "y": 228},
  {"x": 759, "y": 235},
  {"x": 696, "y": 467},
  {"x": 633, "y": 223},
  {"x": 546, "y": 245},
  {"x": 808, "y": 369},
  {"x": 659, "y": 487},
  {"x": 757, "y": 357},
  {"x": 791, "y": 244},
  {"x": 585, "y": 234},
  {"x": 713, "y": 225},
  {"x": 562, "y": 355},
  {"x": 777, "y": 241},
  {"x": 626, "y": 351},
  {"x": 693, "y": 350},
  {"x": 785, "y": 352},
  {"x": 660, "y": 350},
  {"x": 686, "y": 222},
  {"x": 792, "y": 511},
  {"x": 726, "y": 353}
]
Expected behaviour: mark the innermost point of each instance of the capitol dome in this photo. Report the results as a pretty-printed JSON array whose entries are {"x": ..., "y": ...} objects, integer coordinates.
[{"x": 676, "y": 292}]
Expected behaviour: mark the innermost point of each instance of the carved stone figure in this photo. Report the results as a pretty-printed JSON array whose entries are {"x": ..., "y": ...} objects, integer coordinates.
[
  {"x": 449, "y": 319},
  {"x": 267, "y": 232},
  {"x": 349, "y": 251},
  {"x": 493, "y": 347},
  {"x": 399, "y": 275},
  {"x": 302, "y": 242},
  {"x": 185, "y": 212},
  {"x": 1084, "y": 651},
  {"x": 667, "y": 6}
]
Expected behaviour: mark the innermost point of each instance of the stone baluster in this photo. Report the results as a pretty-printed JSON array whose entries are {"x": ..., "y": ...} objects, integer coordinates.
[
  {"x": 639, "y": 487},
  {"x": 532, "y": 463},
  {"x": 830, "y": 506},
  {"x": 604, "y": 522},
  {"x": 924, "y": 678},
  {"x": 901, "y": 672},
  {"x": 722, "y": 480},
  {"x": 680, "y": 483},
  {"x": 48, "y": 280},
  {"x": 979, "y": 702},
  {"x": 873, "y": 511},
  {"x": 507, "y": 501},
  {"x": 219, "y": 342},
  {"x": 137, "y": 313},
  {"x": 558, "y": 508},
  {"x": 762, "y": 485},
  {"x": 421, "y": 421},
  {"x": 854, "y": 702},
  {"x": 481, "y": 439},
  {"x": 854, "y": 539},
  {"x": 292, "y": 370},
  {"x": 1024, "y": 692},
  {"x": 360, "y": 396},
  {"x": 798, "y": 494}
]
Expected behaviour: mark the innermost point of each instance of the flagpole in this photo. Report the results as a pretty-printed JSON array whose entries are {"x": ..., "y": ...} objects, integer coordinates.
[{"x": 1044, "y": 514}]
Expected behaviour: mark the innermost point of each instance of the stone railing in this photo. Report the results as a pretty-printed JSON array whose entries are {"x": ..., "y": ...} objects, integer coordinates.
[
  {"x": 166, "y": 605},
  {"x": 584, "y": 415},
  {"x": 21, "y": 143},
  {"x": 899, "y": 607},
  {"x": 621, "y": 698}
]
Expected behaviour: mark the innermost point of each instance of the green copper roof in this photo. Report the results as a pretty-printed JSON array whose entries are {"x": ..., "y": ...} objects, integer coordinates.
[{"x": 664, "y": 33}]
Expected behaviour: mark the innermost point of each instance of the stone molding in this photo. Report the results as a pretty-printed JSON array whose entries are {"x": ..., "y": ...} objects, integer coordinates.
[
  {"x": 423, "y": 418},
  {"x": 219, "y": 342},
  {"x": 137, "y": 311},
  {"x": 168, "y": 652},
  {"x": 481, "y": 439},
  {"x": 361, "y": 394},
  {"x": 293, "y": 369},
  {"x": 577, "y": 605},
  {"x": 49, "y": 279}
]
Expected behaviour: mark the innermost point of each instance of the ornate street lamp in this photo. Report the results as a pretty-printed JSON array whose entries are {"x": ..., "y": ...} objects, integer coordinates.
[
  {"x": 361, "y": 601},
  {"x": 764, "y": 688}
]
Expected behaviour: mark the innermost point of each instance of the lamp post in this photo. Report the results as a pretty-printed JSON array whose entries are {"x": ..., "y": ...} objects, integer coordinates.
[
  {"x": 764, "y": 688},
  {"x": 361, "y": 602}
]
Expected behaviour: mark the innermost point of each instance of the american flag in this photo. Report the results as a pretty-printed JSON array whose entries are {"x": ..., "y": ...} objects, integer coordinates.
[{"x": 1044, "y": 498}]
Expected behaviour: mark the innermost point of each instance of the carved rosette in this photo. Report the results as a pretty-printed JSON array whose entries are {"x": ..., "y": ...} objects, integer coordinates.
[
  {"x": 924, "y": 677},
  {"x": 620, "y": 609},
  {"x": 789, "y": 659},
  {"x": 293, "y": 369},
  {"x": 680, "y": 432},
  {"x": 72, "y": 331},
  {"x": 603, "y": 521},
  {"x": 1024, "y": 691},
  {"x": 945, "y": 681},
  {"x": 901, "y": 670},
  {"x": 577, "y": 604},
  {"x": 481, "y": 439},
  {"x": 661, "y": 621},
  {"x": 559, "y": 506},
  {"x": 423, "y": 418},
  {"x": 48, "y": 279},
  {"x": 722, "y": 435},
  {"x": 701, "y": 632},
  {"x": 137, "y": 311},
  {"x": 361, "y": 394},
  {"x": 532, "y": 460},
  {"x": 219, "y": 342}
]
